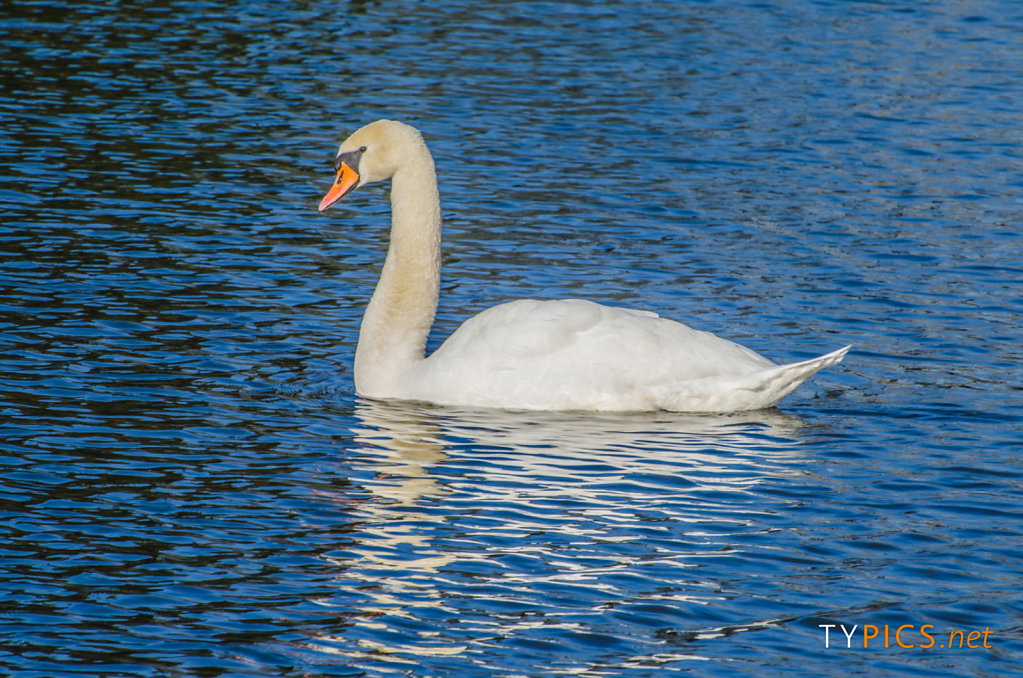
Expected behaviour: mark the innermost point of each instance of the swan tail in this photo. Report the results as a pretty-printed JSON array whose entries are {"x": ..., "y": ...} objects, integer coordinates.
[
  {"x": 756, "y": 390},
  {"x": 774, "y": 383}
]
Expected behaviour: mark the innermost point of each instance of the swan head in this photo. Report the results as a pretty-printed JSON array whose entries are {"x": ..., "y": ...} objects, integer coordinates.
[{"x": 373, "y": 153}]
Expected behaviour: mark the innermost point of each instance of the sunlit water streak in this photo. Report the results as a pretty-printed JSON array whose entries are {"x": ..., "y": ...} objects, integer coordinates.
[{"x": 189, "y": 485}]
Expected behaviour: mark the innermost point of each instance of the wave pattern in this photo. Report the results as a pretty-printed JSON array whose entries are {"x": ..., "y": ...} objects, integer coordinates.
[{"x": 189, "y": 486}]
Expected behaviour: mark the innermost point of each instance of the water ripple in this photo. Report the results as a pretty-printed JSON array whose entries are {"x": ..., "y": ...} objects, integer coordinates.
[{"x": 189, "y": 486}]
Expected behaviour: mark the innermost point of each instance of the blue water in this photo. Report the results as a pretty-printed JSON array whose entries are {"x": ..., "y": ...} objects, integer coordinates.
[{"x": 190, "y": 487}]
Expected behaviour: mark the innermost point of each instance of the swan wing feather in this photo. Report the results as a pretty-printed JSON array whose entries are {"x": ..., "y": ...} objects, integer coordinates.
[{"x": 576, "y": 354}]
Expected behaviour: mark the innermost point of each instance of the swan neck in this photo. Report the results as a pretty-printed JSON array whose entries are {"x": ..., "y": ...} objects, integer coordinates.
[{"x": 397, "y": 322}]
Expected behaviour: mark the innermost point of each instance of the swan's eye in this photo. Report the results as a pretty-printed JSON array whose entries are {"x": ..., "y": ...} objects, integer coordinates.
[{"x": 353, "y": 158}]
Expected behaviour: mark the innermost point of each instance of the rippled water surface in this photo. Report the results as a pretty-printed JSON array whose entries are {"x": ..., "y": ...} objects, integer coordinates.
[{"x": 189, "y": 485}]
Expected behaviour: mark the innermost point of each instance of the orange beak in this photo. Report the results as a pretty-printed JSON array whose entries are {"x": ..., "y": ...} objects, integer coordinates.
[{"x": 346, "y": 180}]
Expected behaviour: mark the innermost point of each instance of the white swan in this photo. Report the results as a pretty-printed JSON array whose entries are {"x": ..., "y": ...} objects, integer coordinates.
[{"x": 528, "y": 354}]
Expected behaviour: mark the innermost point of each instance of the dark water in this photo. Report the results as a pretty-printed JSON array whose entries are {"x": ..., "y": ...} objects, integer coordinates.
[{"x": 190, "y": 487}]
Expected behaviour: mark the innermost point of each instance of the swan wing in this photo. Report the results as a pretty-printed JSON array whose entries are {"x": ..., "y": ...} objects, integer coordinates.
[{"x": 576, "y": 354}]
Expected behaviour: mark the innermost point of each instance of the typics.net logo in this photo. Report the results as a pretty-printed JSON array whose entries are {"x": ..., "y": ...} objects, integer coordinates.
[{"x": 907, "y": 636}]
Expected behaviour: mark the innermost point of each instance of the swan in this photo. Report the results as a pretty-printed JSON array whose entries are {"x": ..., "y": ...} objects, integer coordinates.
[{"x": 529, "y": 354}]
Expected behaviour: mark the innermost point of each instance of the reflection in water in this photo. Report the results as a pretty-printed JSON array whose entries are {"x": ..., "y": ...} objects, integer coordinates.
[
  {"x": 573, "y": 508},
  {"x": 405, "y": 442},
  {"x": 406, "y": 439}
]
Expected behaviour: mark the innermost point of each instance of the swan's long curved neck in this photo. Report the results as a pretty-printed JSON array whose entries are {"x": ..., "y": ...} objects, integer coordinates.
[{"x": 400, "y": 313}]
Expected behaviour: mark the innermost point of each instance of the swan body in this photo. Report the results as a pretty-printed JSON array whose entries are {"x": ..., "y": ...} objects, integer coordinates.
[{"x": 533, "y": 354}]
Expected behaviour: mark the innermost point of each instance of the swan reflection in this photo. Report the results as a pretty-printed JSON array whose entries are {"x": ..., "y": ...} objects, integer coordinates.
[
  {"x": 404, "y": 441},
  {"x": 525, "y": 501}
]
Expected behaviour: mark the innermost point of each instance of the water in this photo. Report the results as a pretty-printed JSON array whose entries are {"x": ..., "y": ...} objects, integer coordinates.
[{"x": 189, "y": 485}]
